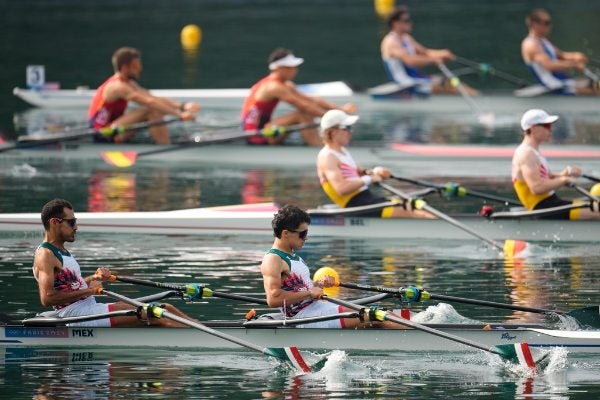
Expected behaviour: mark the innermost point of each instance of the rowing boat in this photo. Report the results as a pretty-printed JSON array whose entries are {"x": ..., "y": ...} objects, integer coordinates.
[
  {"x": 227, "y": 98},
  {"x": 255, "y": 219},
  {"x": 440, "y": 160},
  {"x": 305, "y": 338}
]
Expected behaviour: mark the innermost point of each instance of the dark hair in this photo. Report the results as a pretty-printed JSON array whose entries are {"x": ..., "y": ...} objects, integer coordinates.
[
  {"x": 396, "y": 15},
  {"x": 535, "y": 15},
  {"x": 54, "y": 209},
  {"x": 289, "y": 217},
  {"x": 124, "y": 56},
  {"x": 278, "y": 54}
]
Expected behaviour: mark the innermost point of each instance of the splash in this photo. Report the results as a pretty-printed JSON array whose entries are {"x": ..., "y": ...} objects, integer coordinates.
[
  {"x": 441, "y": 313},
  {"x": 23, "y": 171}
]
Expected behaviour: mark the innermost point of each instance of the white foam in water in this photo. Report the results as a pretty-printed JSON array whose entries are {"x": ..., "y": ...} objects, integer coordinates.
[
  {"x": 23, "y": 171},
  {"x": 558, "y": 360},
  {"x": 441, "y": 313}
]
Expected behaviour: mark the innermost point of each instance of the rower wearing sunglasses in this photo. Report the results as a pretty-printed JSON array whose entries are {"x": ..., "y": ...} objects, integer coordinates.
[
  {"x": 550, "y": 65},
  {"x": 347, "y": 184},
  {"x": 287, "y": 281},
  {"x": 61, "y": 284},
  {"x": 532, "y": 179}
]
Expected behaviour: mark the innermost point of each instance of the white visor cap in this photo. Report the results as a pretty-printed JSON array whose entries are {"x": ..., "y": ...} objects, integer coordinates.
[
  {"x": 536, "y": 117},
  {"x": 288, "y": 61},
  {"x": 337, "y": 118}
]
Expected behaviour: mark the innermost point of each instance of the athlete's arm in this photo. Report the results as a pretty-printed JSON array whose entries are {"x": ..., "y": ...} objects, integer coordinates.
[
  {"x": 529, "y": 165},
  {"x": 533, "y": 51},
  {"x": 44, "y": 264},
  {"x": 302, "y": 102},
  {"x": 328, "y": 165},
  {"x": 271, "y": 269}
]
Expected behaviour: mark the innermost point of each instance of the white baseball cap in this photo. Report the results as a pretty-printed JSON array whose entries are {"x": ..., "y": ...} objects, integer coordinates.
[
  {"x": 288, "y": 61},
  {"x": 536, "y": 117},
  {"x": 337, "y": 118}
]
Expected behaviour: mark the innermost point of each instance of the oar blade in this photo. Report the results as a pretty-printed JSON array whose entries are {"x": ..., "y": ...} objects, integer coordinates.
[
  {"x": 513, "y": 248},
  {"x": 517, "y": 353},
  {"x": 121, "y": 159},
  {"x": 290, "y": 355},
  {"x": 587, "y": 316}
]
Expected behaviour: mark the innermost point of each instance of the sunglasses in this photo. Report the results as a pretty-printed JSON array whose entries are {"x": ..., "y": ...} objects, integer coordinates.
[
  {"x": 545, "y": 22},
  {"x": 547, "y": 126},
  {"x": 406, "y": 20},
  {"x": 70, "y": 221},
  {"x": 347, "y": 128},
  {"x": 301, "y": 234}
]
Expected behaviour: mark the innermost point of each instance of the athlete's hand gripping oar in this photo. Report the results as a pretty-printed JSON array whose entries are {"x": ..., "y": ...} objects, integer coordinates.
[
  {"x": 517, "y": 353},
  {"x": 290, "y": 355},
  {"x": 483, "y": 118},
  {"x": 454, "y": 189},
  {"x": 123, "y": 159},
  {"x": 587, "y": 316},
  {"x": 192, "y": 291},
  {"x": 509, "y": 247}
]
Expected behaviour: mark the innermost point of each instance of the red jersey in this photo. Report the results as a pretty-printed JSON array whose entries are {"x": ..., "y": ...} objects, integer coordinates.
[
  {"x": 256, "y": 113},
  {"x": 101, "y": 113}
]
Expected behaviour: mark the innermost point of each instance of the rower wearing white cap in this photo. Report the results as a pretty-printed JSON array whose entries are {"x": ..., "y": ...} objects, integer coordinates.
[
  {"x": 279, "y": 86},
  {"x": 342, "y": 179},
  {"x": 532, "y": 179}
]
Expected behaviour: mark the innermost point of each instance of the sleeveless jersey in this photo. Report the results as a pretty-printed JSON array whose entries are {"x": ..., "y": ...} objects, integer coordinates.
[
  {"x": 349, "y": 171},
  {"x": 102, "y": 113},
  {"x": 297, "y": 281},
  {"x": 69, "y": 278},
  {"x": 557, "y": 81},
  {"x": 256, "y": 113},
  {"x": 404, "y": 75},
  {"x": 525, "y": 195}
]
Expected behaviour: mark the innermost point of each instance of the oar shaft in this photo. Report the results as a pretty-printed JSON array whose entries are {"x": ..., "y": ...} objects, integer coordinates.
[
  {"x": 414, "y": 325},
  {"x": 424, "y": 206},
  {"x": 493, "y": 71},
  {"x": 591, "y": 177},
  {"x": 585, "y": 193},
  {"x": 190, "y": 323},
  {"x": 461, "y": 88},
  {"x": 183, "y": 288}
]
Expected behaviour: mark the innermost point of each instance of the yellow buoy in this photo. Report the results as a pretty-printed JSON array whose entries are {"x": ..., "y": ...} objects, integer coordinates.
[
  {"x": 191, "y": 36},
  {"x": 595, "y": 190},
  {"x": 384, "y": 7}
]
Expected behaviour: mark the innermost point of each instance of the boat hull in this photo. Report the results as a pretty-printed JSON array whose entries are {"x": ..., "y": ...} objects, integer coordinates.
[
  {"x": 256, "y": 220},
  {"x": 303, "y": 338},
  {"x": 442, "y": 161}
]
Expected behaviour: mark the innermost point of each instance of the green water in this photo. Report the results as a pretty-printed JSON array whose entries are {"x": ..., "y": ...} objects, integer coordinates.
[{"x": 339, "y": 40}]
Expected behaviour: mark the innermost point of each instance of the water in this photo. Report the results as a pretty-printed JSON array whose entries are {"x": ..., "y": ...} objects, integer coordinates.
[{"x": 557, "y": 275}]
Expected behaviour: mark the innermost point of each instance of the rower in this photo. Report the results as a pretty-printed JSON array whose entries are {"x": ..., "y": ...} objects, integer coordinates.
[
  {"x": 109, "y": 104},
  {"x": 343, "y": 180},
  {"x": 550, "y": 65},
  {"x": 532, "y": 179},
  {"x": 61, "y": 284},
  {"x": 279, "y": 86},
  {"x": 403, "y": 56},
  {"x": 287, "y": 281}
]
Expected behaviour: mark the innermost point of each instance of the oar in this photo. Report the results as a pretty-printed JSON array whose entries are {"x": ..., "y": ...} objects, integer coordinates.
[
  {"x": 595, "y": 79},
  {"x": 453, "y": 189},
  {"x": 123, "y": 159},
  {"x": 192, "y": 291},
  {"x": 517, "y": 353},
  {"x": 509, "y": 247},
  {"x": 290, "y": 355},
  {"x": 482, "y": 118},
  {"x": 485, "y": 69},
  {"x": 107, "y": 131},
  {"x": 585, "y": 316},
  {"x": 585, "y": 193},
  {"x": 591, "y": 177}
]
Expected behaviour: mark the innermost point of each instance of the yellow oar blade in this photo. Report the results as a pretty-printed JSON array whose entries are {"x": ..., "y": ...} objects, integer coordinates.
[
  {"x": 121, "y": 159},
  {"x": 514, "y": 248}
]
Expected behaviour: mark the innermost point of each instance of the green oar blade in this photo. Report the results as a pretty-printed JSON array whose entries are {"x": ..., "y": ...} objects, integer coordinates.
[
  {"x": 589, "y": 316},
  {"x": 517, "y": 353}
]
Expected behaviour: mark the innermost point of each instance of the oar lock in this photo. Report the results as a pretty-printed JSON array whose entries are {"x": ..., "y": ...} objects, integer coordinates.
[
  {"x": 152, "y": 310},
  {"x": 194, "y": 291}
]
